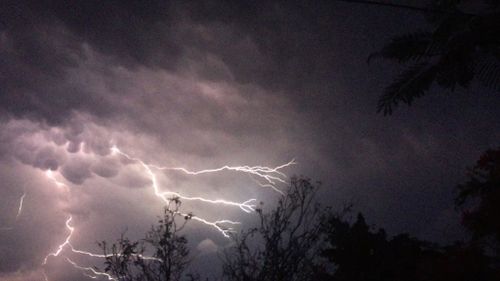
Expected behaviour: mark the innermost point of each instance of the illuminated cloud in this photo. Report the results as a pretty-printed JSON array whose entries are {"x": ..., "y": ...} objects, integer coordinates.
[
  {"x": 207, "y": 246},
  {"x": 105, "y": 167}
]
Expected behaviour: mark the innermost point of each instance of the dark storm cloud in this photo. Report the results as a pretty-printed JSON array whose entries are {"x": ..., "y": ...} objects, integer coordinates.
[
  {"x": 45, "y": 42},
  {"x": 277, "y": 45},
  {"x": 47, "y": 159}
]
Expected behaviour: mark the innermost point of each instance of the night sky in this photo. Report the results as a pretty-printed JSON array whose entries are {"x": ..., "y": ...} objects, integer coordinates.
[{"x": 201, "y": 86}]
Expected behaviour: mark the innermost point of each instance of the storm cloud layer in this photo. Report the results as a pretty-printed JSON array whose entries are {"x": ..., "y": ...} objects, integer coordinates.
[{"x": 203, "y": 85}]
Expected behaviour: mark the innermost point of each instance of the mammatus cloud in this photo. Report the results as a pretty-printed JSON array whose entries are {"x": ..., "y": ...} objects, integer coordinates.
[{"x": 72, "y": 172}]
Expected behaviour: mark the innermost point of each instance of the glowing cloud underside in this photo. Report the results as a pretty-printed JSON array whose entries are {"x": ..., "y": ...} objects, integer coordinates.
[{"x": 269, "y": 177}]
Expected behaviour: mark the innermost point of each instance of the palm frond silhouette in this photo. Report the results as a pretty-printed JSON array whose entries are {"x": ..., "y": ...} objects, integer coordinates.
[{"x": 461, "y": 48}]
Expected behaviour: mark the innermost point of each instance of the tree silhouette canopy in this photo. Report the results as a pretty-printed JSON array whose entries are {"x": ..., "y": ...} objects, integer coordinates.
[
  {"x": 162, "y": 255},
  {"x": 463, "y": 46},
  {"x": 286, "y": 243},
  {"x": 479, "y": 198},
  {"x": 358, "y": 253}
]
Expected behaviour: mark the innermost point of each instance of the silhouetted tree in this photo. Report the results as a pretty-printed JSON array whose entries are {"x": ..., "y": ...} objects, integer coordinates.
[
  {"x": 458, "y": 262},
  {"x": 461, "y": 47},
  {"x": 479, "y": 198},
  {"x": 359, "y": 254},
  {"x": 168, "y": 252},
  {"x": 286, "y": 243}
]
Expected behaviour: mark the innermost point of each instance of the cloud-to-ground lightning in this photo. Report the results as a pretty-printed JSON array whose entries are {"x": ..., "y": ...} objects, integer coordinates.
[
  {"x": 67, "y": 243},
  {"x": 270, "y": 176},
  {"x": 61, "y": 246}
]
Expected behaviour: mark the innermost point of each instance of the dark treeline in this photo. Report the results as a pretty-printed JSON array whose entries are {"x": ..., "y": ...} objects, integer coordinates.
[{"x": 301, "y": 240}]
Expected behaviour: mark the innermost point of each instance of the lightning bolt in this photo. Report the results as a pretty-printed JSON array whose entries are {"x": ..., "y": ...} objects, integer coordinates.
[
  {"x": 20, "y": 208},
  {"x": 66, "y": 242},
  {"x": 51, "y": 176},
  {"x": 270, "y": 176},
  {"x": 95, "y": 273},
  {"x": 19, "y": 212}
]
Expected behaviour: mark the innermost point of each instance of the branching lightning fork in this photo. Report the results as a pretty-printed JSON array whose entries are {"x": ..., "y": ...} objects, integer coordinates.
[{"x": 270, "y": 176}]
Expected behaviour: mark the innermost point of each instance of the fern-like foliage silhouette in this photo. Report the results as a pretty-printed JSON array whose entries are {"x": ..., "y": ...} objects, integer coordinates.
[{"x": 461, "y": 48}]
